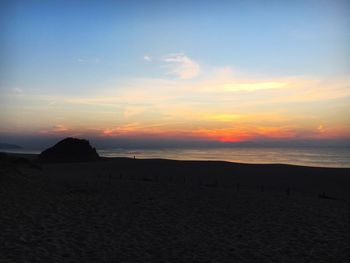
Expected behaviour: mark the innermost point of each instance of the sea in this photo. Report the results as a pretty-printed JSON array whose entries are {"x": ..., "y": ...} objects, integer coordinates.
[
  {"x": 338, "y": 157},
  {"x": 306, "y": 156}
]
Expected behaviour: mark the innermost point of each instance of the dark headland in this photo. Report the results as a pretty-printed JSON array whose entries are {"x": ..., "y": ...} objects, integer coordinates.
[
  {"x": 156, "y": 210},
  {"x": 69, "y": 150}
]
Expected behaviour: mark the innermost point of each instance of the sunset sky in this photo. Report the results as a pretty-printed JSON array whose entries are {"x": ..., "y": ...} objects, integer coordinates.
[{"x": 224, "y": 71}]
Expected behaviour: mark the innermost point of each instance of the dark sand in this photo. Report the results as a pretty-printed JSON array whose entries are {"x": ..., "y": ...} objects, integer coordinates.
[{"x": 125, "y": 210}]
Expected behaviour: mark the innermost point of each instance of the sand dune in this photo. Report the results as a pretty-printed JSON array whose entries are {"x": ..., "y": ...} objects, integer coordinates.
[{"x": 125, "y": 210}]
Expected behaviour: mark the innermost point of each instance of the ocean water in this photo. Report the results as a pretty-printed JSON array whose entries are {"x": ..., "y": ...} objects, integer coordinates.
[{"x": 308, "y": 156}]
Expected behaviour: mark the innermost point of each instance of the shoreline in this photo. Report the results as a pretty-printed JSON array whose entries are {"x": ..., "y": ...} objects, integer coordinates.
[{"x": 32, "y": 156}]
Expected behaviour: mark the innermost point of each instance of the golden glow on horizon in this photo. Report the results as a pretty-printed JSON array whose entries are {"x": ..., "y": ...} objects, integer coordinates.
[{"x": 221, "y": 108}]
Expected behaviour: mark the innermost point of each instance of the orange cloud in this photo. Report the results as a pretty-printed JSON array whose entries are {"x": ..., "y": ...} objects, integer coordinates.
[{"x": 58, "y": 128}]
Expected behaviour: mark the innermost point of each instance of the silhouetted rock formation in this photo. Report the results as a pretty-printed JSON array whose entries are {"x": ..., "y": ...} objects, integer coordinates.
[{"x": 69, "y": 150}]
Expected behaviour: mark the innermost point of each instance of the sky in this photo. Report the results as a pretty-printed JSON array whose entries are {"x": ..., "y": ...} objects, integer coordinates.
[{"x": 212, "y": 71}]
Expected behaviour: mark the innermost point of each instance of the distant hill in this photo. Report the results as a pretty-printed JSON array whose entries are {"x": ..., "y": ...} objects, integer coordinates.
[{"x": 9, "y": 146}]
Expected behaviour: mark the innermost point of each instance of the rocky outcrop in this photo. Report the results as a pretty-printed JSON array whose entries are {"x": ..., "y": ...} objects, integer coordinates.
[{"x": 69, "y": 150}]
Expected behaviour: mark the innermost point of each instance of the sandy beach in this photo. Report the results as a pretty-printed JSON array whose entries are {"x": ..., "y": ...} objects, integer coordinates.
[{"x": 134, "y": 210}]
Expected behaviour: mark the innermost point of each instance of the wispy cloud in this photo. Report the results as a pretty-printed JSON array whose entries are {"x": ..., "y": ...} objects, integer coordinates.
[
  {"x": 88, "y": 60},
  {"x": 225, "y": 81},
  {"x": 60, "y": 128},
  {"x": 17, "y": 90},
  {"x": 181, "y": 66},
  {"x": 56, "y": 129},
  {"x": 147, "y": 58}
]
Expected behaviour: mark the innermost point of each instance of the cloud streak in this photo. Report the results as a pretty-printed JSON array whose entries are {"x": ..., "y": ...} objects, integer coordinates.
[
  {"x": 181, "y": 66},
  {"x": 147, "y": 58},
  {"x": 88, "y": 60}
]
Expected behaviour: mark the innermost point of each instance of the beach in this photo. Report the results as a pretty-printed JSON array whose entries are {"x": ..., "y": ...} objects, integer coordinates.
[{"x": 156, "y": 210}]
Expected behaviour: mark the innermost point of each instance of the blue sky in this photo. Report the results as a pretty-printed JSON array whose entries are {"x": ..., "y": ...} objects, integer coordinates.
[
  {"x": 63, "y": 51},
  {"x": 266, "y": 37}
]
